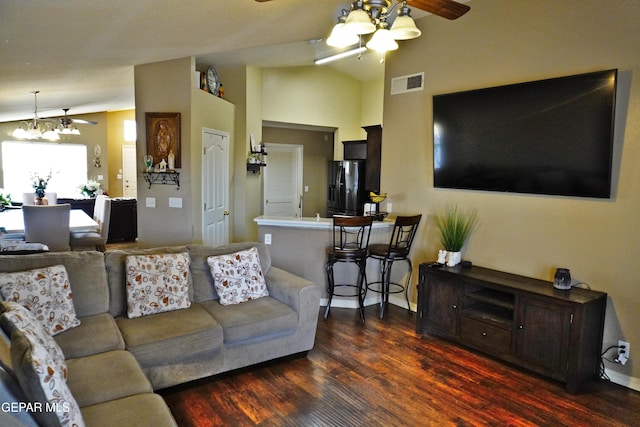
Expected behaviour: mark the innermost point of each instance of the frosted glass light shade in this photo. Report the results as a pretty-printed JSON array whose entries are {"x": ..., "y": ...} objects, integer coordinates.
[
  {"x": 404, "y": 28},
  {"x": 339, "y": 37},
  {"x": 359, "y": 22},
  {"x": 382, "y": 41}
]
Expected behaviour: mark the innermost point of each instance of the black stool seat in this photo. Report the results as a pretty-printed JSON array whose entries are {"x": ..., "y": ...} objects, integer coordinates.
[
  {"x": 350, "y": 242},
  {"x": 398, "y": 248}
]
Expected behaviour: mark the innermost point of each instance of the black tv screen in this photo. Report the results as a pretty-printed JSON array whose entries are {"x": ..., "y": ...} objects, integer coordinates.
[{"x": 551, "y": 137}]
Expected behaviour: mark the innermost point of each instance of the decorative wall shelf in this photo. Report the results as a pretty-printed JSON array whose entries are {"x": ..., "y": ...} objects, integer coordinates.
[
  {"x": 170, "y": 178},
  {"x": 258, "y": 155}
]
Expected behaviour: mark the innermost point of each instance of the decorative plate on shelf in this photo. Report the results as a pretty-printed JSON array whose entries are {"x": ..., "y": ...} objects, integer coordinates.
[{"x": 213, "y": 82}]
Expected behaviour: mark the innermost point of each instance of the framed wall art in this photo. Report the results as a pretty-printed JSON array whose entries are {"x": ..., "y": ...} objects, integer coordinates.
[{"x": 163, "y": 137}]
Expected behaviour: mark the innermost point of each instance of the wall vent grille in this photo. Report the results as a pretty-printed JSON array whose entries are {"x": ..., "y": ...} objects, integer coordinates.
[{"x": 409, "y": 83}]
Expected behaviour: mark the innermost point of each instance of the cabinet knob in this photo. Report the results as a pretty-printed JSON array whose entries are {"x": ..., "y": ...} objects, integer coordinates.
[
  {"x": 455, "y": 307},
  {"x": 520, "y": 327},
  {"x": 484, "y": 334}
]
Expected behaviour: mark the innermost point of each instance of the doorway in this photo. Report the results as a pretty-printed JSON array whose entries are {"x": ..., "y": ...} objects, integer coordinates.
[
  {"x": 283, "y": 181},
  {"x": 129, "y": 173},
  {"x": 215, "y": 187}
]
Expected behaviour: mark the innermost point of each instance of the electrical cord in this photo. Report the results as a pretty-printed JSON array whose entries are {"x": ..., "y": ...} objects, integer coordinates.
[
  {"x": 581, "y": 285},
  {"x": 601, "y": 373}
]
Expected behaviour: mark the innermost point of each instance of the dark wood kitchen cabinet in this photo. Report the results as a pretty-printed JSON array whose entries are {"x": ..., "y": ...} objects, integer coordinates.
[
  {"x": 523, "y": 321},
  {"x": 374, "y": 158}
]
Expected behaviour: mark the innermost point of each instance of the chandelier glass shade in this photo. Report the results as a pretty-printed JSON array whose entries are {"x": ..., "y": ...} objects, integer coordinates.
[
  {"x": 35, "y": 130},
  {"x": 366, "y": 17}
]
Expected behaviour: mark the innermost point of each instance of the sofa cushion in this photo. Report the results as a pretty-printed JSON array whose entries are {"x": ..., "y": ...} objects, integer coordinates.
[
  {"x": 96, "y": 334},
  {"x": 171, "y": 337},
  {"x": 238, "y": 276},
  {"x": 106, "y": 376},
  {"x": 129, "y": 411},
  {"x": 87, "y": 276},
  {"x": 114, "y": 261},
  {"x": 17, "y": 317},
  {"x": 203, "y": 288},
  {"x": 46, "y": 292},
  {"x": 260, "y": 318},
  {"x": 157, "y": 283},
  {"x": 43, "y": 382}
]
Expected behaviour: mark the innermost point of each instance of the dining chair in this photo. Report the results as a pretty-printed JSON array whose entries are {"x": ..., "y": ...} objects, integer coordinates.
[
  {"x": 398, "y": 248},
  {"x": 96, "y": 240},
  {"x": 47, "y": 224},
  {"x": 350, "y": 241}
]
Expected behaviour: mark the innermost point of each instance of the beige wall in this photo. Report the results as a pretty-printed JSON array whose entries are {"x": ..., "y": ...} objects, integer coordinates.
[
  {"x": 497, "y": 43},
  {"x": 162, "y": 224}
]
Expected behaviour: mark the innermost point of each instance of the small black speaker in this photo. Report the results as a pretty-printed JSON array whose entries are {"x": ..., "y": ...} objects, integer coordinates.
[{"x": 466, "y": 264}]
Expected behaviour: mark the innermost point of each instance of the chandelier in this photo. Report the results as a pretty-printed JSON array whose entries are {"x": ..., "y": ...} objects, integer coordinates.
[
  {"x": 35, "y": 128},
  {"x": 370, "y": 16},
  {"x": 38, "y": 128}
]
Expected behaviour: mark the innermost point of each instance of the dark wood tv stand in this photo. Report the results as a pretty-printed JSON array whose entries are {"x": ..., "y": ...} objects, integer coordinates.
[{"x": 523, "y": 321}]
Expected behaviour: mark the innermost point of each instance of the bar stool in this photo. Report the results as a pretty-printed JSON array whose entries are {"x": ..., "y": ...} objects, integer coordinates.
[
  {"x": 350, "y": 242},
  {"x": 398, "y": 248}
]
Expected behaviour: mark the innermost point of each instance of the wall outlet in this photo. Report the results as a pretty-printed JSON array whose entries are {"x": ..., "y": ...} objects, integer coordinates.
[
  {"x": 623, "y": 352},
  {"x": 267, "y": 239},
  {"x": 389, "y": 207},
  {"x": 175, "y": 202},
  {"x": 151, "y": 202}
]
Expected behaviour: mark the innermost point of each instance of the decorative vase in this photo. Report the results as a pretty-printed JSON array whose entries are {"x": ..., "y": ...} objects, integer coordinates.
[
  {"x": 40, "y": 201},
  {"x": 453, "y": 258}
]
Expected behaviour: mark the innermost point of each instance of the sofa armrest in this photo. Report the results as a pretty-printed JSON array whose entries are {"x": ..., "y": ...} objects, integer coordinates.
[{"x": 298, "y": 293}]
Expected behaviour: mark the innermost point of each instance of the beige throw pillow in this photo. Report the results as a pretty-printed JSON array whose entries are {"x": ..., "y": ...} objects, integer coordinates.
[
  {"x": 238, "y": 277},
  {"x": 46, "y": 292},
  {"x": 157, "y": 283}
]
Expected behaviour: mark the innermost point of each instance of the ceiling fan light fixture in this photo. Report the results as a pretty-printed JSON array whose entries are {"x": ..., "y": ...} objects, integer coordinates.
[
  {"x": 358, "y": 21},
  {"x": 382, "y": 40},
  {"x": 340, "y": 37},
  {"x": 404, "y": 27}
]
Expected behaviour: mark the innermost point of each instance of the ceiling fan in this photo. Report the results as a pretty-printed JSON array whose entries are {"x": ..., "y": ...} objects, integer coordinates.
[
  {"x": 445, "y": 8},
  {"x": 66, "y": 124}
]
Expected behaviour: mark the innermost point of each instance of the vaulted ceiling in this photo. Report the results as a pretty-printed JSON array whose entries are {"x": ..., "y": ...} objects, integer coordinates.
[{"x": 80, "y": 54}]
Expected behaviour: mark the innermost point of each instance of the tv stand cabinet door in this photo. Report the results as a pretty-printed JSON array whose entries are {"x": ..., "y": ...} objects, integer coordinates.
[
  {"x": 543, "y": 331},
  {"x": 442, "y": 304}
]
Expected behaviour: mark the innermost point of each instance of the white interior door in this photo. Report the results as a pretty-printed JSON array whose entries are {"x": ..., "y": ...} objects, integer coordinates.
[
  {"x": 215, "y": 187},
  {"x": 283, "y": 180},
  {"x": 129, "y": 171}
]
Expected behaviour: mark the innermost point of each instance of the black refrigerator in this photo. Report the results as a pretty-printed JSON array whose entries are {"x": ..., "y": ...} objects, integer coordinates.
[{"x": 345, "y": 192}]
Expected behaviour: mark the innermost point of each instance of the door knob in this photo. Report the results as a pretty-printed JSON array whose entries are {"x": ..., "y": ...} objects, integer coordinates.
[{"x": 226, "y": 213}]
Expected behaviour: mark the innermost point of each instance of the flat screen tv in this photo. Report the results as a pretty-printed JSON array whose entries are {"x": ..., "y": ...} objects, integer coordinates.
[{"x": 552, "y": 137}]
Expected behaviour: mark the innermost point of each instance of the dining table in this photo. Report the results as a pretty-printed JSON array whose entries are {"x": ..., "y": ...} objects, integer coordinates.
[{"x": 12, "y": 223}]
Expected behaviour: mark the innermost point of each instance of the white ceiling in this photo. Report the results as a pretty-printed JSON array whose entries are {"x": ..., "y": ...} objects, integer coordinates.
[{"x": 80, "y": 54}]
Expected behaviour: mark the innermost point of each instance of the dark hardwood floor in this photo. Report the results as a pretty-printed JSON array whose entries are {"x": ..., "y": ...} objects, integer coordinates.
[{"x": 382, "y": 374}]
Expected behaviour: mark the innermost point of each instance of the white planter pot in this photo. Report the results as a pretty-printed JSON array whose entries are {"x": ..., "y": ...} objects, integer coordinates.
[{"x": 453, "y": 258}]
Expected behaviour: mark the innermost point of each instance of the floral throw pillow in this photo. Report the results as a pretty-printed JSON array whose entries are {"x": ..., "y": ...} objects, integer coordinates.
[
  {"x": 157, "y": 283},
  {"x": 238, "y": 277},
  {"x": 43, "y": 382},
  {"x": 18, "y": 317},
  {"x": 46, "y": 292}
]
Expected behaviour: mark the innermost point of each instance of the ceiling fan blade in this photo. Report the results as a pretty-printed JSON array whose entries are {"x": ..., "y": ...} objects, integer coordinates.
[
  {"x": 445, "y": 8},
  {"x": 260, "y": 1},
  {"x": 84, "y": 122}
]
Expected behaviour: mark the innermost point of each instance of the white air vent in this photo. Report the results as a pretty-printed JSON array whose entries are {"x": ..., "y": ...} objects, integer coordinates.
[{"x": 410, "y": 83}]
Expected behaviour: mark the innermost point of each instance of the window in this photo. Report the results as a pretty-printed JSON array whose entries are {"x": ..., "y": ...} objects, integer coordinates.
[{"x": 21, "y": 160}]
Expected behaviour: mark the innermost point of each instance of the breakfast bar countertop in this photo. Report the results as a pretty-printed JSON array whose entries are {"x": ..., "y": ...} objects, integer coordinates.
[{"x": 308, "y": 222}]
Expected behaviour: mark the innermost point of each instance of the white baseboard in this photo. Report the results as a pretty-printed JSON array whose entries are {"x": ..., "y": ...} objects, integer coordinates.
[{"x": 624, "y": 380}]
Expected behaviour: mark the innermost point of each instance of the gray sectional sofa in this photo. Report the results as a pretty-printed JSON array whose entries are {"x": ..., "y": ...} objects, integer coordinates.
[{"x": 115, "y": 363}]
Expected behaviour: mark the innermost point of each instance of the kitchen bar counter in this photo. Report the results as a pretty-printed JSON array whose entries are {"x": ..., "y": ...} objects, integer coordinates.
[{"x": 299, "y": 245}]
